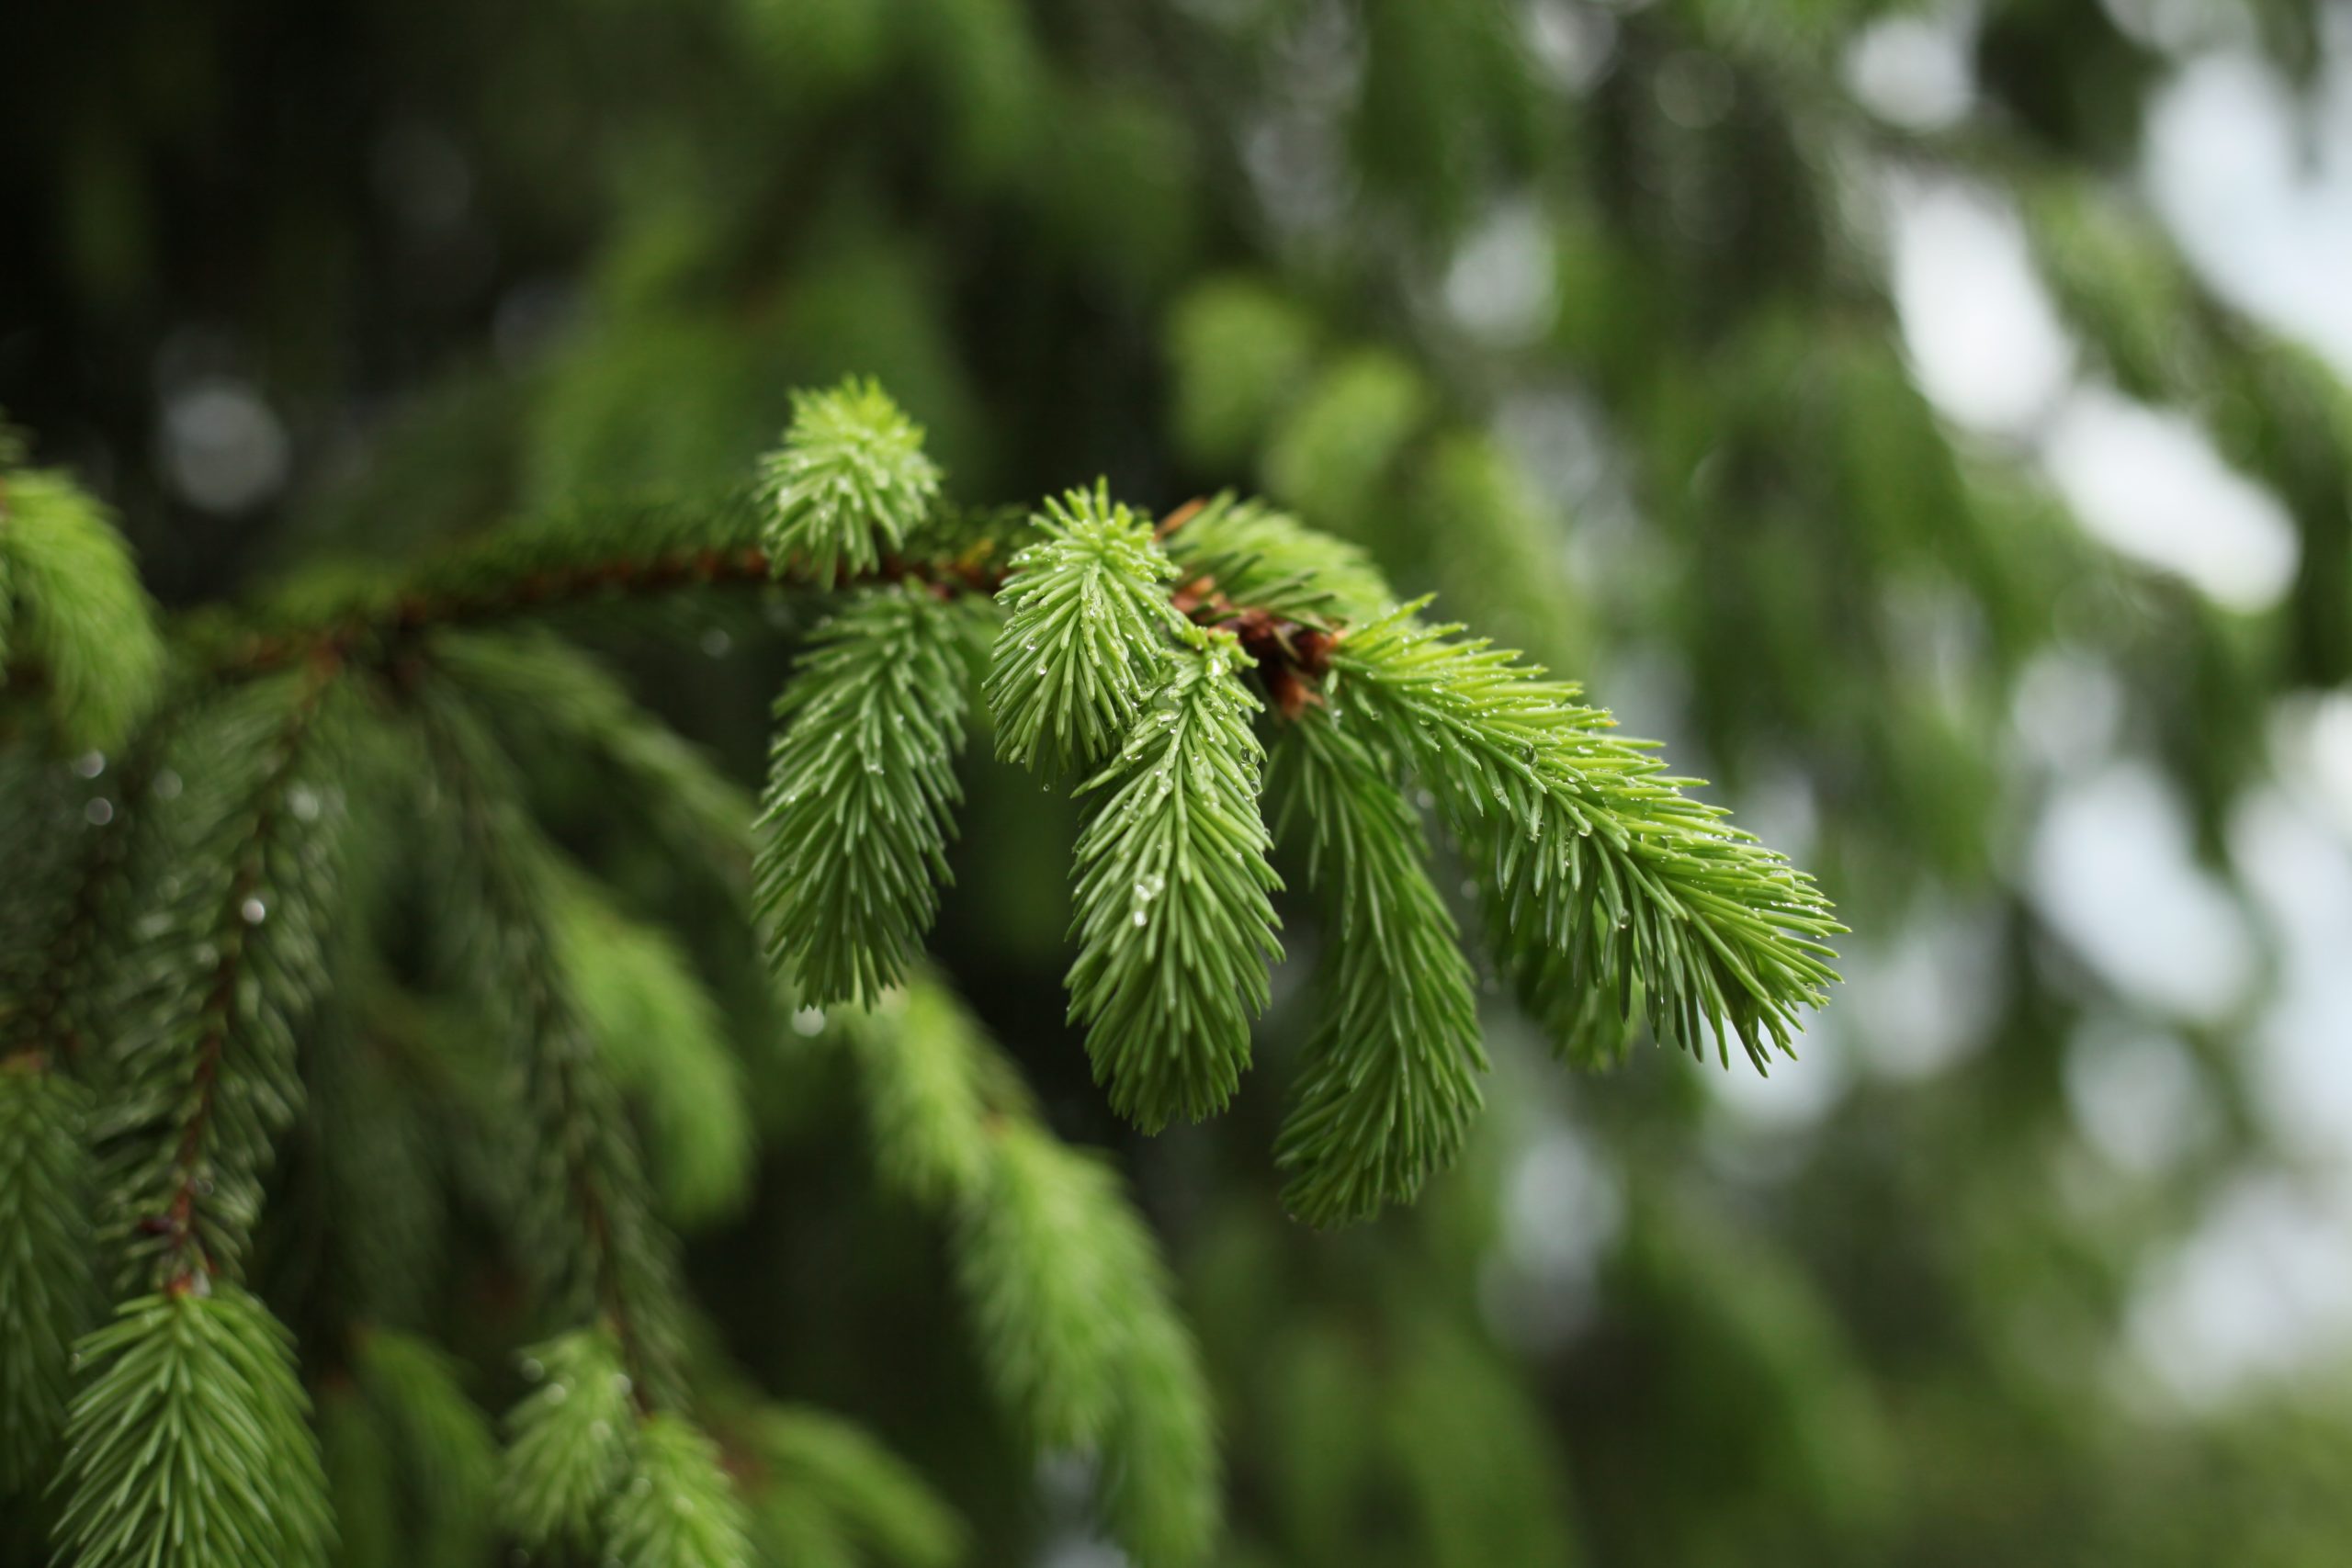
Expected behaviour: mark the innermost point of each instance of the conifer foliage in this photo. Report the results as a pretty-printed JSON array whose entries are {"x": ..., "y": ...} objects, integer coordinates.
[
  {"x": 1390, "y": 1081},
  {"x": 849, "y": 483},
  {"x": 1174, "y": 914},
  {"x": 197, "y": 830},
  {"x": 860, "y": 792},
  {"x": 1082, "y": 642}
]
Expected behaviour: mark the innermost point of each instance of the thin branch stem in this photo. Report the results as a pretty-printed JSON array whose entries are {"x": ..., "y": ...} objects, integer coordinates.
[
  {"x": 193, "y": 1268},
  {"x": 1292, "y": 657}
]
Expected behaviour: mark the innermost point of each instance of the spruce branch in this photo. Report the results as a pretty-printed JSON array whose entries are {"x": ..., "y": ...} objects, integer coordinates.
[
  {"x": 1073, "y": 1306},
  {"x": 1140, "y": 652},
  {"x": 586, "y": 1465},
  {"x": 549, "y": 696},
  {"x": 65, "y": 842},
  {"x": 849, "y": 484},
  {"x": 190, "y": 1438},
  {"x": 1260, "y": 553},
  {"x": 587, "y": 1221},
  {"x": 1084, "y": 640},
  {"x": 1590, "y": 848},
  {"x": 72, "y": 607},
  {"x": 1047, "y": 1254},
  {"x": 1068, "y": 1297},
  {"x": 678, "y": 1509},
  {"x": 204, "y": 1078},
  {"x": 568, "y": 1441},
  {"x": 861, "y": 790},
  {"x": 50, "y": 846},
  {"x": 936, "y": 1090},
  {"x": 1390, "y": 1080},
  {"x": 69, "y": 838},
  {"x": 46, "y": 1290},
  {"x": 661, "y": 1036},
  {"x": 1161, "y": 1477},
  {"x": 1172, "y": 907}
]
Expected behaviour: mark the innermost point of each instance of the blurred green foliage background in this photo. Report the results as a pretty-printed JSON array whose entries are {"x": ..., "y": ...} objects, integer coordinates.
[{"x": 1667, "y": 340}]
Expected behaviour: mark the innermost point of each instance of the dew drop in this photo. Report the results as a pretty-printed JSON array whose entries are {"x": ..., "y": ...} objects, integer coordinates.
[
  {"x": 809, "y": 1021},
  {"x": 532, "y": 1371},
  {"x": 90, "y": 764},
  {"x": 557, "y": 1393},
  {"x": 303, "y": 802},
  {"x": 167, "y": 785},
  {"x": 1139, "y": 918},
  {"x": 715, "y": 642},
  {"x": 98, "y": 812},
  {"x": 253, "y": 911}
]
